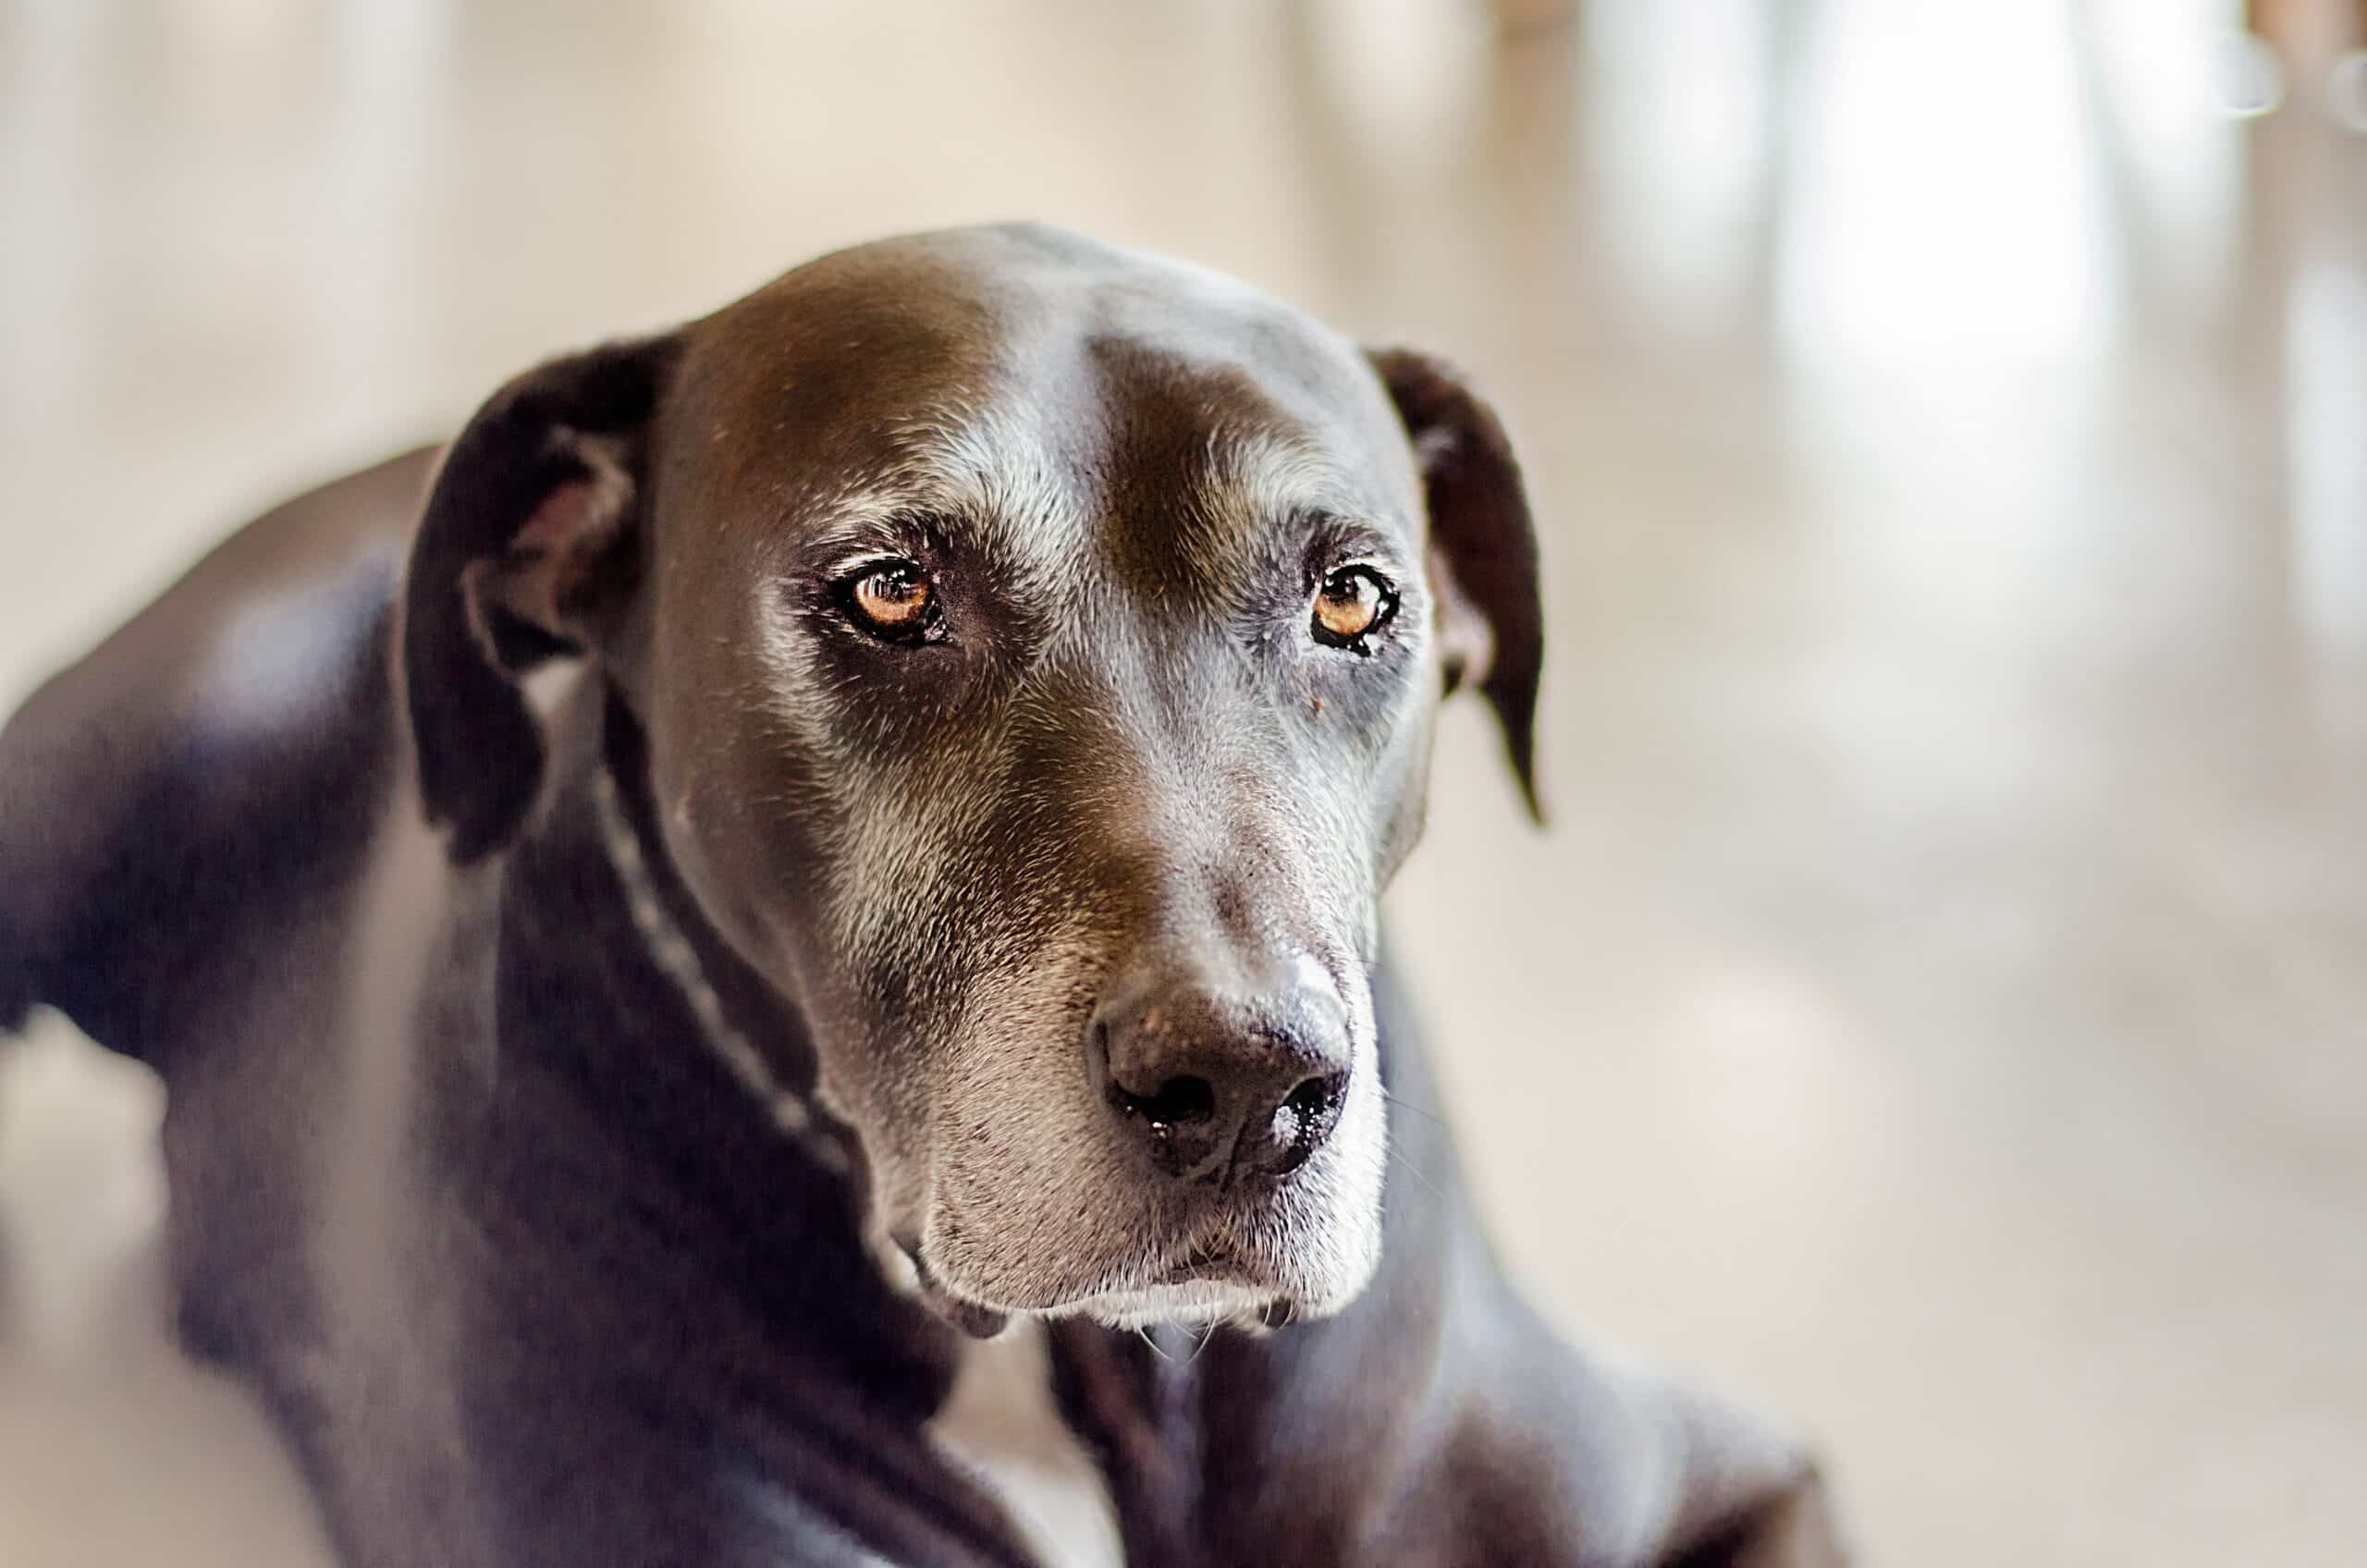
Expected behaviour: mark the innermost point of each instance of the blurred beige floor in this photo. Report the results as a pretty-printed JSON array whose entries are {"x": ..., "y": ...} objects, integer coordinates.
[{"x": 1941, "y": 1006}]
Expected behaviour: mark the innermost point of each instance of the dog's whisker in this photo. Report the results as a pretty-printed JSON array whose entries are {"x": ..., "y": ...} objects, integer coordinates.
[
  {"x": 1404, "y": 1162},
  {"x": 1404, "y": 1103}
]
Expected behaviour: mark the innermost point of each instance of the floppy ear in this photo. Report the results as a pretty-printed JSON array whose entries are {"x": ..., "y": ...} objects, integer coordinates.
[
  {"x": 1483, "y": 548},
  {"x": 528, "y": 550}
]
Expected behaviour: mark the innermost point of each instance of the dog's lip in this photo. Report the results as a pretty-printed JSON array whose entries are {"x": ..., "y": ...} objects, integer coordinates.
[
  {"x": 1202, "y": 1265},
  {"x": 1204, "y": 1301},
  {"x": 1226, "y": 1260},
  {"x": 1203, "y": 1273}
]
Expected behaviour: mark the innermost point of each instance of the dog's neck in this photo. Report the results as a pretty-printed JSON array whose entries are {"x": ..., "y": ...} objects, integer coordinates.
[
  {"x": 596, "y": 863},
  {"x": 616, "y": 1000},
  {"x": 745, "y": 1026},
  {"x": 652, "y": 895}
]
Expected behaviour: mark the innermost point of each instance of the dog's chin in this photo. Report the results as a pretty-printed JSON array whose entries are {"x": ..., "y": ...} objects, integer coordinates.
[
  {"x": 1248, "y": 1289},
  {"x": 1195, "y": 1303}
]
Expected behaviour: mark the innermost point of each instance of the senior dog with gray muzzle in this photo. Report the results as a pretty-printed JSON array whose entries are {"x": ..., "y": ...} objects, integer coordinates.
[{"x": 884, "y": 1054}]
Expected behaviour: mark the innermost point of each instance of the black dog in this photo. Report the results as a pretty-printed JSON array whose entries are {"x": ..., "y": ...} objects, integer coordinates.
[{"x": 923, "y": 962}]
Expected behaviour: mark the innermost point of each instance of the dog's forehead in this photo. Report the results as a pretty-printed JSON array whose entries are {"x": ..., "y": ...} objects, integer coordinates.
[{"x": 1034, "y": 384}]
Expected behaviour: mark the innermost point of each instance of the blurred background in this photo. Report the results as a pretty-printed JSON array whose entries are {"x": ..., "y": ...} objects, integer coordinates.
[{"x": 1940, "y": 1008}]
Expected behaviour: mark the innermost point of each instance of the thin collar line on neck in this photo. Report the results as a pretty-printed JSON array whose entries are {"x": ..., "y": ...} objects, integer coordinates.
[{"x": 675, "y": 956}]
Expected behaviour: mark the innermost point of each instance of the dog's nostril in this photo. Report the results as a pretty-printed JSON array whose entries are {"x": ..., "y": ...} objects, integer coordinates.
[
  {"x": 1179, "y": 1101},
  {"x": 1311, "y": 1101},
  {"x": 1301, "y": 1120}
]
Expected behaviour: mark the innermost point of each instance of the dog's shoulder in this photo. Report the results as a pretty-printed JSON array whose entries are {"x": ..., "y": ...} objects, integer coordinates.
[{"x": 217, "y": 749}]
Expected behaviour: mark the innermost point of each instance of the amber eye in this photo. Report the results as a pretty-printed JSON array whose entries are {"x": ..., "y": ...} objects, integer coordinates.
[
  {"x": 891, "y": 599},
  {"x": 1354, "y": 603}
]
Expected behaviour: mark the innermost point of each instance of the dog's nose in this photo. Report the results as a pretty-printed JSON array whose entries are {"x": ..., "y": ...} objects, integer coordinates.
[{"x": 1221, "y": 1079}]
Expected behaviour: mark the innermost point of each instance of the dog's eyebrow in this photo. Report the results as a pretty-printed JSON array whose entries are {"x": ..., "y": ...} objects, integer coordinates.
[
  {"x": 874, "y": 522},
  {"x": 958, "y": 479},
  {"x": 1344, "y": 537},
  {"x": 1269, "y": 474},
  {"x": 1264, "y": 490}
]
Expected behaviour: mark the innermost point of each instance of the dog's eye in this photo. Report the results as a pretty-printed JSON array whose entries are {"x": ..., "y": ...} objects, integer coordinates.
[
  {"x": 1354, "y": 603},
  {"x": 891, "y": 599}
]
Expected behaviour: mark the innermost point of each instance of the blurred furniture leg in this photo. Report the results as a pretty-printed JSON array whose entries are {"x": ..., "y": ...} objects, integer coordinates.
[
  {"x": 2308, "y": 34},
  {"x": 2321, "y": 47},
  {"x": 1516, "y": 17}
]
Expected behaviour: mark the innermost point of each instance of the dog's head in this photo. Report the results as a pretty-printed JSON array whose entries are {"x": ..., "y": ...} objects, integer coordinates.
[{"x": 1037, "y": 645}]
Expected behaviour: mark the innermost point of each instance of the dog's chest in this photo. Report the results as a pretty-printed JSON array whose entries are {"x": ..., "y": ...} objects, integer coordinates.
[{"x": 1002, "y": 1427}]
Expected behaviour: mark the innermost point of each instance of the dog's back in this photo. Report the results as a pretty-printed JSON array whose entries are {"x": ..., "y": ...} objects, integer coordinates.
[
  {"x": 189, "y": 818},
  {"x": 219, "y": 753}
]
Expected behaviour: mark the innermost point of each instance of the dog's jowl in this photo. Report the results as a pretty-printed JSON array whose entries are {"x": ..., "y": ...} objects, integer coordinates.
[{"x": 933, "y": 895}]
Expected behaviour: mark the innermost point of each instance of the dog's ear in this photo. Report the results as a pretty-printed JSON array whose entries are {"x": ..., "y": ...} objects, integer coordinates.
[
  {"x": 527, "y": 550},
  {"x": 1482, "y": 551}
]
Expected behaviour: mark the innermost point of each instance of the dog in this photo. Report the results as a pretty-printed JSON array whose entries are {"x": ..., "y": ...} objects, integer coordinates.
[{"x": 772, "y": 957}]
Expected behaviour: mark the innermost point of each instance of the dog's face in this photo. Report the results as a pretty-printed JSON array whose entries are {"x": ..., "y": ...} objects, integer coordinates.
[{"x": 1037, "y": 646}]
